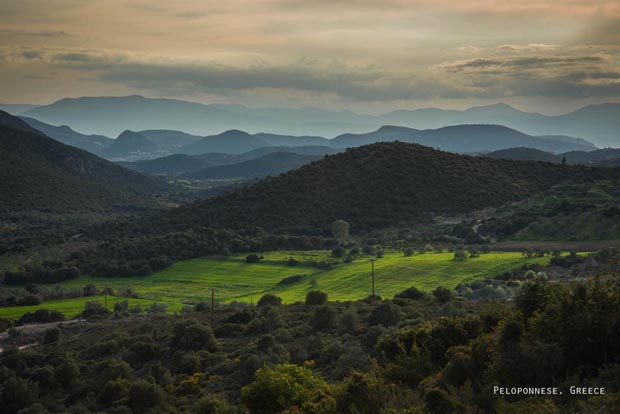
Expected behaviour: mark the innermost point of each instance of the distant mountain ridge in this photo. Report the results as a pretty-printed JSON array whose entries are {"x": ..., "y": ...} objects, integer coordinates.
[
  {"x": 608, "y": 157},
  {"x": 596, "y": 123},
  {"x": 95, "y": 144},
  {"x": 270, "y": 164}
]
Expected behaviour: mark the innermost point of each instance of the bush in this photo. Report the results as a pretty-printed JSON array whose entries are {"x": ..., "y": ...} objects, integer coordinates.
[
  {"x": 252, "y": 258},
  {"x": 94, "y": 309},
  {"x": 144, "y": 395},
  {"x": 316, "y": 297},
  {"x": 324, "y": 318},
  {"x": 282, "y": 387},
  {"x": 269, "y": 299},
  {"x": 386, "y": 314},
  {"x": 190, "y": 335},
  {"x": 411, "y": 293},
  {"x": 16, "y": 394},
  {"x": 339, "y": 252},
  {"x": 290, "y": 280},
  {"x": 442, "y": 294}
]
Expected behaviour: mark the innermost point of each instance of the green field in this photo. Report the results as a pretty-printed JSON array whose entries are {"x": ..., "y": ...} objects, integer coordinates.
[
  {"x": 74, "y": 306},
  {"x": 233, "y": 279}
]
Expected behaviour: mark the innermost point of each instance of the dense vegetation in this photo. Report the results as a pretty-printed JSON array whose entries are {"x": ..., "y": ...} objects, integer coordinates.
[
  {"x": 39, "y": 173},
  {"x": 415, "y": 354},
  {"x": 374, "y": 187}
]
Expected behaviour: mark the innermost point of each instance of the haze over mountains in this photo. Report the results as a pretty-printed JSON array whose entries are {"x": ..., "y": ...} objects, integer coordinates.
[
  {"x": 149, "y": 144},
  {"x": 110, "y": 116}
]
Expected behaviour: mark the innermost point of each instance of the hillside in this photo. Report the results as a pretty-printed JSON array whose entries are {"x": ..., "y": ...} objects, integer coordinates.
[
  {"x": 373, "y": 187},
  {"x": 169, "y": 140},
  {"x": 229, "y": 142},
  {"x": 39, "y": 173},
  {"x": 524, "y": 154},
  {"x": 132, "y": 146},
  {"x": 270, "y": 164},
  {"x": 303, "y": 150},
  {"x": 606, "y": 157},
  {"x": 91, "y": 143}
]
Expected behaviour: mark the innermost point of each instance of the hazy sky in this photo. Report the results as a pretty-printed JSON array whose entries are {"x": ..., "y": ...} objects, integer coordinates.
[{"x": 368, "y": 56}]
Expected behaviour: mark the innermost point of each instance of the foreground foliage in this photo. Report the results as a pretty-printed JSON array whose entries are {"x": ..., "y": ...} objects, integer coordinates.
[{"x": 407, "y": 355}]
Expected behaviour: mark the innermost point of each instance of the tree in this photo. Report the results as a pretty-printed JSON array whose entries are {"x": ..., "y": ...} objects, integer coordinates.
[
  {"x": 90, "y": 290},
  {"x": 284, "y": 386},
  {"x": 191, "y": 335},
  {"x": 324, "y": 318},
  {"x": 459, "y": 255},
  {"x": 144, "y": 395},
  {"x": 442, "y": 294},
  {"x": 474, "y": 252},
  {"x": 252, "y": 258},
  {"x": 386, "y": 314},
  {"x": 316, "y": 297},
  {"x": 408, "y": 252},
  {"x": 269, "y": 299},
  {"x": 16, "y": 394},
  {"x": 411, "y": 293},
  {"x": 340, "y": 231},
  {"x": 339, "y": 252}
]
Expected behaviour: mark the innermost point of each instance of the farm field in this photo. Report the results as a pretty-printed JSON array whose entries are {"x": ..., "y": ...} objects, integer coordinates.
[
  {"x": 74, "y": 306},
  {"x": 191, "y": 281}
]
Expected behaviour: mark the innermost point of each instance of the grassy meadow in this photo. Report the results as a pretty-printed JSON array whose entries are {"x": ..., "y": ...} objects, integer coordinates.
[{"x": 191, "y": 281}]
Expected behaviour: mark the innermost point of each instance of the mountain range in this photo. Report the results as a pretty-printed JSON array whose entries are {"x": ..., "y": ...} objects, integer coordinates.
[
  {"x": 265, "y": 161},
  {"x": 150, "y": 144},
  {"x": 110, "y": 116}
]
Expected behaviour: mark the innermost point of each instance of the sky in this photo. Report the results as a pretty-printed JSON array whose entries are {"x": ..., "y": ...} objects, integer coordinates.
[{"x": 548, "y": 56}]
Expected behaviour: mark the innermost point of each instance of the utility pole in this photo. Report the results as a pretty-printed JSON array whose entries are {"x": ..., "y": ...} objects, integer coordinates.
[
  {"x": 212, "y": 309},
  {"x": 372, "y": 261}
]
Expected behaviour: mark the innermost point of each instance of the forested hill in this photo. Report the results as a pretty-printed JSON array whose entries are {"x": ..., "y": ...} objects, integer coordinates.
[
  {"x": 39, "y": 173},
  {"x": 374, "y": 186}
]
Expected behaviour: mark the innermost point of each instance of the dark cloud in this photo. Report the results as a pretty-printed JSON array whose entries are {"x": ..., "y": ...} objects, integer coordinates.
[
  {"x": 511, "y": 64},
  {"x": 32, "y": 54}
]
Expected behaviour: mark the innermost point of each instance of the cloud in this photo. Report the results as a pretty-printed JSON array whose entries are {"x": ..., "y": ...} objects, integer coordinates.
[
  {"x": 568, "y": 73},
  {"x": 513, "y": 64}
]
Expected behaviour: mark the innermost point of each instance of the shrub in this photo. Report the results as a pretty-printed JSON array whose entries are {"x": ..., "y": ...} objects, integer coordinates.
[
  {"x": 324, "y": 318},
  {"x": 386, "y": 314},
  {"x": 252, "y": 258},
  {"x": 144, "y": 395},
  {"x": 290, "y": 280},
  {"x": 316, "y": 297},
  {"x": 442, "y": 294},
  {"x": 411, "y": 293},
  {"x": 269, "y": 299},
  {"x": 191, "y": 335},
  {"x": 281, "y": 387}
]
